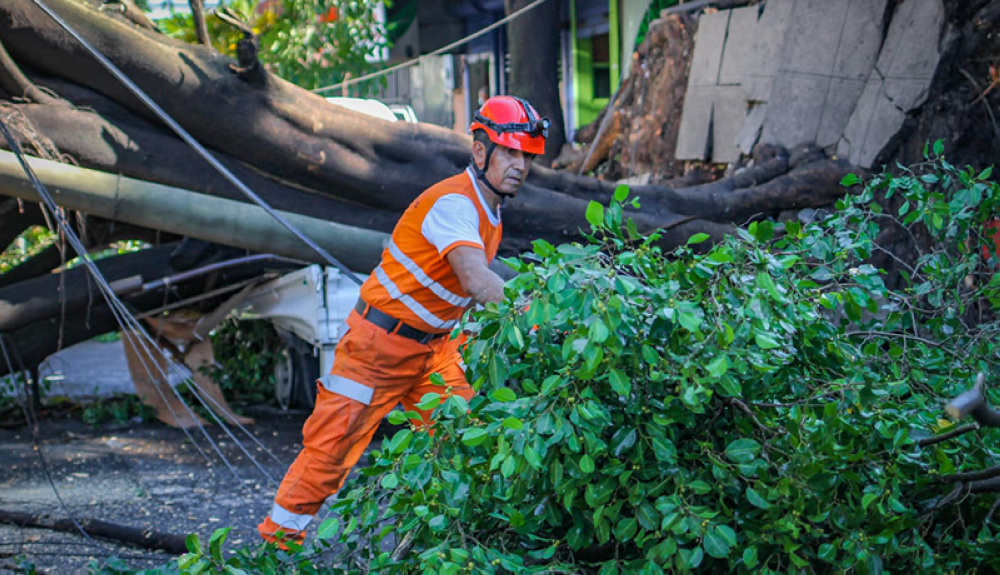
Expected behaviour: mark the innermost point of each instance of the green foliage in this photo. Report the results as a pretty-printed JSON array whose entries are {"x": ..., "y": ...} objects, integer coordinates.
[
  {"x": 25, "y": 246},
  {"x": 755, "y": 407},
  {"x": 308, "y": 42},
  {"x": 119, "y": 409},
  {"x": 246, "y": 352}
]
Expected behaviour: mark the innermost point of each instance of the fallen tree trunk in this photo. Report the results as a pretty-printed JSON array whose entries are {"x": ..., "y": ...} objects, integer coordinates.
[
  {"x": 135, "y": 536},
  {"x": 297, "y": 141}
]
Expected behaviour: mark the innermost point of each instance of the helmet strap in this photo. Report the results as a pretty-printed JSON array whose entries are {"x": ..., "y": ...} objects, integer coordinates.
[{"x": 481, "y": 173}]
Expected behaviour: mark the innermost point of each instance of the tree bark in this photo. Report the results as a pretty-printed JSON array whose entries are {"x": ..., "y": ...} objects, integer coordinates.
[
  {"x": 147, "y": 538},
  {"x": 200, "y": 26},
  {"x": 14, "y": 82},
  {"x": 534, "y": 66}
]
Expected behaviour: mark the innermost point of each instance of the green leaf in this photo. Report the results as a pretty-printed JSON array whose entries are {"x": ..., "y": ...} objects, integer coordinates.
[
  {"x": 622, "y": 441},
  {"x": 429, "y": 401},
  {"x": 766, "y": 340},
  {"x": 700, "y": 487},
  {"x": 715, "y": 544},
  {"x": 621, "y": 193},
  {"x": 193, "y": 544},
  {"x": 513, "y": 423},
  {"x": 827, "y": 552},
  {"x": 743, "y": 450},
  {"x": 866, "y": 501},
  {"x": 690, "y": 321},
  {"x": 399, "y": 442},
  {"x": 587, "y": 463},
  {"x": 531, "y": 456},
  {"x": 329, "y": 528},
  {"x": 625, "y": 529},
  {"x": 718, "y": 366},
  {"x": 620, "y": 382},
  {"x": 698, "y": 238},
  {"x": 595, "y": 214},
  {"x": 390, "y": 481},
  {"x": 765, "y": 282},
  {"x": 750, "y": 557},
  {"x": 598, "y": 332},
  {"x": 756, "y": 500},
  {"x": 515, "y": 337},
  {"x": 850, "y": 180},
  {"x": 938, "y": 147},
  {"x": 550, "y": 383},
  {"x": 503, "y": 395},
  {"x": 473, "y": 437},
  {"x": 396, "y": 417},
  {"x": 216, "y": 541},
  {"x": 696, "y": 557}
]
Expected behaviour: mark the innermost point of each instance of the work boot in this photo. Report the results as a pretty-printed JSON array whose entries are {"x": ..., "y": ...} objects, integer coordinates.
[{"x": 280, "y": 536}]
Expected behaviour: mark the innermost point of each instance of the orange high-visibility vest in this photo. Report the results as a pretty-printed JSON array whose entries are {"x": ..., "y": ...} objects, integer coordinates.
[{"x": 414, "y": 282}]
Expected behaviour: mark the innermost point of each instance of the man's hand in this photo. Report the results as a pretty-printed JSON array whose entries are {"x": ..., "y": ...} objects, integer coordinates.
[{"x": 474, "y": 274}]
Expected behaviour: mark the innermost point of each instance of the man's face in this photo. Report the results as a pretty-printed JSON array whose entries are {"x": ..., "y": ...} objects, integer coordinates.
[{"x": 508, "y": 167}]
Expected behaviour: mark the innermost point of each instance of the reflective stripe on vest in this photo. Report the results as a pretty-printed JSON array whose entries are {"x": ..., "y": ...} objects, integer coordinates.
[
  {"x": 413, "y": 305},
  {"x": 438, "y": 289},
  {"x": 347, "y": 388}
]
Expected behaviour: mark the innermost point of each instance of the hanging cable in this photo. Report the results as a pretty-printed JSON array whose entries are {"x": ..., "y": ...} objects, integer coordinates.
[
  {"x": 437, "y": 52},
  {"x": 201, "y": 150},
  {"x": 137, "y": 333}
]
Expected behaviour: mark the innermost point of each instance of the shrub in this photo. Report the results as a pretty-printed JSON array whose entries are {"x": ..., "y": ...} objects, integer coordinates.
[{"x": 766, "y": 406}]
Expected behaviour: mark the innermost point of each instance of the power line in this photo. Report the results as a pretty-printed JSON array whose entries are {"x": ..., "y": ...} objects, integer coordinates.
[{"x": 437, "y": 52}]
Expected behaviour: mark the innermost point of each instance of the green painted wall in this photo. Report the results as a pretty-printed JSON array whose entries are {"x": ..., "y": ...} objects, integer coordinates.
[{"x": 586, "y": 106}]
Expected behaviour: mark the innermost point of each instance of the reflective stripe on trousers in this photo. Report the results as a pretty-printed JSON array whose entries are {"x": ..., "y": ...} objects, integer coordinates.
[{"x": 348, "y": 388}]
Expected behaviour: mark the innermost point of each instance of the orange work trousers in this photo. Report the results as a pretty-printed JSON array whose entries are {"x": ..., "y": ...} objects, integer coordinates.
[{"x": 373, "y": 371}]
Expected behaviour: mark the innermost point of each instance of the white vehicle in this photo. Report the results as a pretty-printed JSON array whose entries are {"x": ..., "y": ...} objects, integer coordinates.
[
  {"x": 390, "y": 113},
  {"x": 309, "y": 308}
]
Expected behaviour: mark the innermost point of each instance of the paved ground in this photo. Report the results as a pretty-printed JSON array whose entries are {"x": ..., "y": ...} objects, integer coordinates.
[{"x": 146, "y": 475}]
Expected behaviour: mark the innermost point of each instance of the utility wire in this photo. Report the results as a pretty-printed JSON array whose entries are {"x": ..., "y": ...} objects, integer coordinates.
[
  {"x": 189, "y": 139},
  {"x": 137, "y": 333},
  {"x": 437, "y": 52}
]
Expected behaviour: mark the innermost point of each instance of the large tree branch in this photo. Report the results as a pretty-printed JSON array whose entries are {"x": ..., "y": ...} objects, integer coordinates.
[
  {"x": 14, "y": 82},
  {"x": 200, "y": 26}
]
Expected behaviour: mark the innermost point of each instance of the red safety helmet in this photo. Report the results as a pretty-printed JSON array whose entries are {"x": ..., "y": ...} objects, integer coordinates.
[{"x": 512, "y": 122}]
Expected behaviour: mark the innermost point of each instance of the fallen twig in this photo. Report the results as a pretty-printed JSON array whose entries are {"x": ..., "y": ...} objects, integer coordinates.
[{"x": 946, "y": 436}]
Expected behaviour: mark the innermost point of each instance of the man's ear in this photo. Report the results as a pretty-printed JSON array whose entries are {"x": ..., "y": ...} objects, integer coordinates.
[{"x": 479, "y": 154}]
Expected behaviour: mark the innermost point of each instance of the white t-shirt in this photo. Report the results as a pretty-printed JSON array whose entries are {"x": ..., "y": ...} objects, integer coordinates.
[{"x": 453, "y": 220}]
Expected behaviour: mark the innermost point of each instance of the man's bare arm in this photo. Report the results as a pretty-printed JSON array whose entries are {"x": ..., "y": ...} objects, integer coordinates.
[{"x": 474, "y": 274}]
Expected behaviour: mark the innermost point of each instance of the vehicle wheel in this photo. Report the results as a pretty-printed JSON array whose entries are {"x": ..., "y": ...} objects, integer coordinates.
[
  {"x": 307, "y": 372},
  {"x": 295, "y": 374},
  {"x": 284, "y": 378}
]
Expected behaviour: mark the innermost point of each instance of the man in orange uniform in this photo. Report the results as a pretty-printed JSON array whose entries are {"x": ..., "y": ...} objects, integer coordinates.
[{"x": 434, "y": 268}]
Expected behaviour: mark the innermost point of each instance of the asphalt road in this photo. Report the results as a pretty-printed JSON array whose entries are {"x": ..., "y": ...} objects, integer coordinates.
[{"x": 145, "y": 475}]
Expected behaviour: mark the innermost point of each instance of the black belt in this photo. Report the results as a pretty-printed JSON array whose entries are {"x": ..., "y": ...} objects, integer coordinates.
[{"x": 393, "y": 325}]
